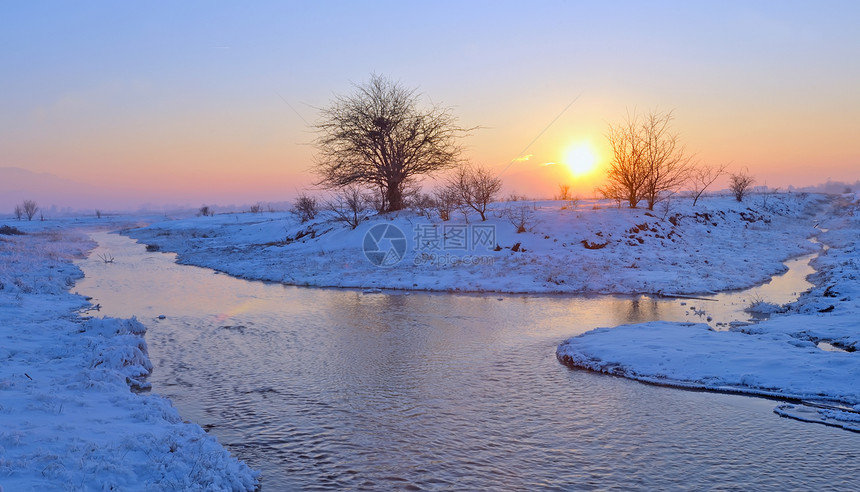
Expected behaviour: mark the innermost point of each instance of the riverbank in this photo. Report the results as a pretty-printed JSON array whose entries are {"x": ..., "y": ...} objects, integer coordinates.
[
  {"x": 779, "y": 357},
  {"x": 585, "y": 247},
  {"x": 70, "y": 419}
]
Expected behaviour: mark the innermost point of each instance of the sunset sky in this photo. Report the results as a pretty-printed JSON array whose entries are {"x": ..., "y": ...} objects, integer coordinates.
[{"x": 210, "y": 102}]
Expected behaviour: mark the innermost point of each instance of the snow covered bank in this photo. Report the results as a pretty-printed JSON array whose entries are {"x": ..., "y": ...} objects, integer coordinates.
[
  {"x": 778, "y": 357},
  {"x": 593, "y": 247},
  {"x": 69, "y": 418}
]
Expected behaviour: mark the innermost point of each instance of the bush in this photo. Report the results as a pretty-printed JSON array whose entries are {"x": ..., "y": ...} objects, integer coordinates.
[
  {"x": 475, "y": 187},
  {"x": 305, "y": 207},
  {"x": 423, "y": 203},
  {"x": 740, "y": 185},
  {"x": 520, "y": 217},
  {"x": 446, "y": 200},
  {"x": 350, "y": 206},
  {"x": 11, "y": 231}
]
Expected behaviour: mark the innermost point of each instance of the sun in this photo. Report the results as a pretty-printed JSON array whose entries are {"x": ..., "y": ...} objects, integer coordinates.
[{"x": 580, "y": 159}]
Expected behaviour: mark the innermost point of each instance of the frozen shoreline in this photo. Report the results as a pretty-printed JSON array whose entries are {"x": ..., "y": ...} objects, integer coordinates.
[
  {"x": 70, "y": 419},
  {"x": 716, "y": 246},
  {"x": 778, "y": 357}
]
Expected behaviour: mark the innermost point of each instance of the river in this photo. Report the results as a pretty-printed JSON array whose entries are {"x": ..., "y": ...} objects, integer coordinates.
[{"x": 334, "y": 389}]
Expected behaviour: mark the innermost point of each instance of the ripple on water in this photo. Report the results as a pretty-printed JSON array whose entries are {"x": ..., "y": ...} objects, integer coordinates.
[{"x": 332, "y": 389}]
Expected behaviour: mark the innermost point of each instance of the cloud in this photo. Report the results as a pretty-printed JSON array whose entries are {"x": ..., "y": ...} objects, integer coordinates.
[{"x": 523, "y": 158}]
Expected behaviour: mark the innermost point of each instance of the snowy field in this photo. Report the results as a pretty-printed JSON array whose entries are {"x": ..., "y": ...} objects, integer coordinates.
[
  {"x": 780, "y": 357},
  {"x": 69, "y": 419},
  {"x": 594, "y": 247},
  {"x": 72, "y": 417}
]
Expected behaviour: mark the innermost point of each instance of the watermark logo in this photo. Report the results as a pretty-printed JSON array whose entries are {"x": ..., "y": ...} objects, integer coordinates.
[
  {"x": 454, "y": 244},
  {"x": 384, "y": 245}
]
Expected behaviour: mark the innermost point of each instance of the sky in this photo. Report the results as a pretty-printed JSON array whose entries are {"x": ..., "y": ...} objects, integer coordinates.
[{"x": 213, "y": 102}]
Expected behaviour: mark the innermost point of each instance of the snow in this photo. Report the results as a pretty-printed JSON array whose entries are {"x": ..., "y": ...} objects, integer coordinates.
[
  {"x": 594, "y": 248},
  {"x": 70, "y": 420},
  {"x": 776, "y": 357}
]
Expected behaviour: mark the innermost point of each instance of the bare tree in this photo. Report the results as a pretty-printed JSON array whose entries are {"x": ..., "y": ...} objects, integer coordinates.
[
  {"x": 19, "y": 212},
  {"x": 349, "y": 205},
  {"x": 205, "y": 211},
  {"x": 648, "y": 160},
  {"x": 423, "y": 203},
  {"x": 446, "y": 200},
  {"x": 612, "y": 191},
  {"x": 666, "y": 161},
  {"x": 520, "y": 217},
  {"x": 563, "y": 192},
  {"x": 740, "y": 184},
  {"x": 30, "y": 208},
  {"x": 627, "y": 170},
  {"x": 475, "y": 187},
  {"x": 702, "y": 177},
  {"x": 256, "y": 208},
  {"x": 305, "y": 207},
  {"x": 379, "y": 137}
]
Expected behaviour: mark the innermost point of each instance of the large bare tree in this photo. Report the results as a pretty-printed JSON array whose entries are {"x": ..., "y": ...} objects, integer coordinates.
[
  {"x": 380, "y": 136},
  {"x": 648, "y": 160}
]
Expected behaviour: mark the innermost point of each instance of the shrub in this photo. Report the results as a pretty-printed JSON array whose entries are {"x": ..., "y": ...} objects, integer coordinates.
[
  {"x": 350, "y": 206},
  {"x": 305, "y": 207},
  {"x": 520, "y": 217},
  {"x": 11, "y": 231}
]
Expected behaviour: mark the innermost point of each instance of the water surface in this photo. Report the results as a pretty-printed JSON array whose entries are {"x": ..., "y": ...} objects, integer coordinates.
[{"x": 333, "y": 389}]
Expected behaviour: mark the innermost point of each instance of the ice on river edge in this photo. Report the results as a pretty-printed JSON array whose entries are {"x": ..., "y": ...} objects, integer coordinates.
[
  {"x": 778, "y": 357},
  {"x": 69, "y": 417}
]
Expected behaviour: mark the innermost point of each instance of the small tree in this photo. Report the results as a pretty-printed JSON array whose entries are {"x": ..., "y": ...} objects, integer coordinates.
[
  {"x": 349, "y": 206},
  {"x": 702, "y": 177},
  {"x": 305, "y": 207},
  {"x": 648, "y": 160},
  {"x": 19, "y": 212},
  {"x": 520, "y": 217},
  {"x": 476, "y": 187},
  {"x": 30, "y": 208},
  {"x": 740, "y": 184},
  {"x": 627, "y": 170},
  {"x": 422, "y": 203},
  {"x": 667, "y": 163},
  {"x": 612, "y": 191},
  {"x": 446, "y": 200},
  {"x": 563, "y": 192},
  {"x": 380, "y": 137},
  {"x": 256, "y": 208},
  {"x": 205, "y": 211}
]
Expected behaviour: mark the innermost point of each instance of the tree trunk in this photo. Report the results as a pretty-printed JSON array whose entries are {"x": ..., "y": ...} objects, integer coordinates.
[{"x": 395, "y": 197}]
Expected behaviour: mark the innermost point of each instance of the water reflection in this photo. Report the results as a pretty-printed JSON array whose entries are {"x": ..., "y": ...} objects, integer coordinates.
[{"x": 333, "y": 389}]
